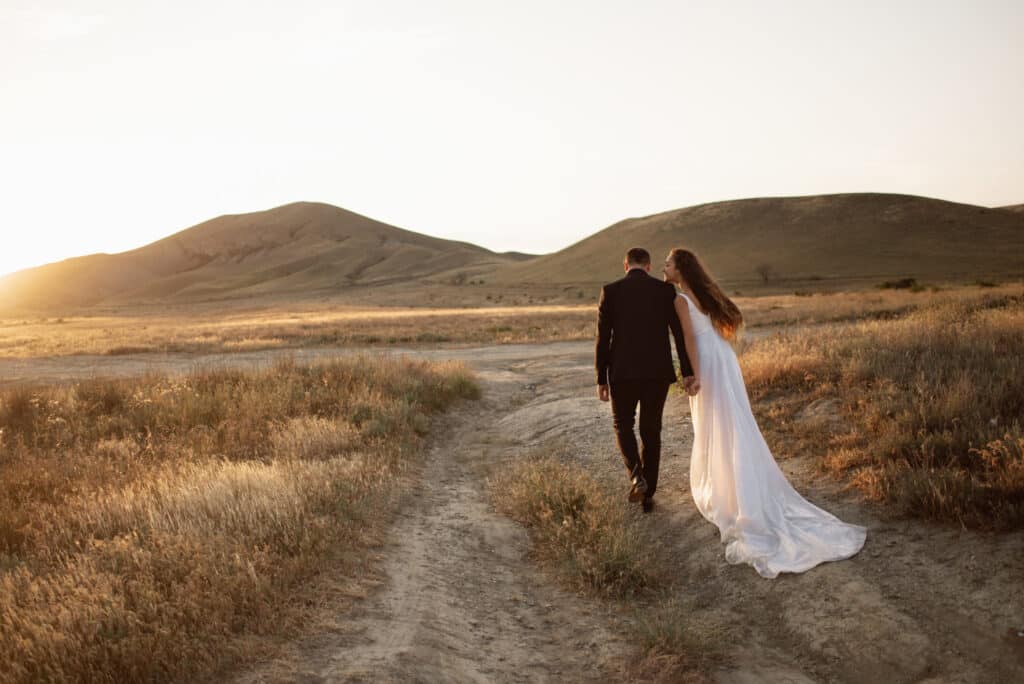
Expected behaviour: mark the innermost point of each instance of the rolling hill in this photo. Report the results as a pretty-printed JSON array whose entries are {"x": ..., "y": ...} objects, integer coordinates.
[
  {"x": 310, "y": 250},
  {"x": 297, "y": 249},
  {"x": 863, "y": 237}
]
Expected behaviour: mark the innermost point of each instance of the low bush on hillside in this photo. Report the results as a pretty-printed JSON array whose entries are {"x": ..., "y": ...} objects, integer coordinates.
[{"x": 901, "y": 284}]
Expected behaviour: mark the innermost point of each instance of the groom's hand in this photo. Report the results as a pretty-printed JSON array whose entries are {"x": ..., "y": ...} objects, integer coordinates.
[{"x": 602, "y": 392}]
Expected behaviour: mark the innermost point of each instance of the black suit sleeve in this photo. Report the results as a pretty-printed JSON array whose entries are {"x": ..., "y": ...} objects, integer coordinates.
[
  {"x": 677, "y": 332},
  {"x": 602, "y": 351}
]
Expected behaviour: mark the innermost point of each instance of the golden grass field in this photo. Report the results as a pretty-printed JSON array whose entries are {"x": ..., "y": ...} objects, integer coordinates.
[
  {"x": 155, "y": 528},
  {"x": 924, "y": 412},
  {"x": 137, "y": 331},
  {"x": 151, "y": 528}
]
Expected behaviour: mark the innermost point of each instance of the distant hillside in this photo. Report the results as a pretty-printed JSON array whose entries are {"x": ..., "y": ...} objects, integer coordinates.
[
  {"x": 851, "y": 237},
  {"x": 309, "y": 250},
  {"x": 299, "y": 248}
]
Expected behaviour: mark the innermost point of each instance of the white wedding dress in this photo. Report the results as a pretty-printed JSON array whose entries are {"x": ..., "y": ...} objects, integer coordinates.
[{"x": 737, "y": 484}]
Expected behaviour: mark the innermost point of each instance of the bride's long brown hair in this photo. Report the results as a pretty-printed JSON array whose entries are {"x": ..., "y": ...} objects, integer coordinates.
[{"x": 724, "y": 314}]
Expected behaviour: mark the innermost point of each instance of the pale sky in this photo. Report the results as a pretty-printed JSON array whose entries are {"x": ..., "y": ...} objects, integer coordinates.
[{"x": 517, "y": 125}]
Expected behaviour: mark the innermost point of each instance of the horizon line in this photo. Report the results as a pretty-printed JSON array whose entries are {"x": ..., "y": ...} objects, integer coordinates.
[{"x": 439, "y": 237}]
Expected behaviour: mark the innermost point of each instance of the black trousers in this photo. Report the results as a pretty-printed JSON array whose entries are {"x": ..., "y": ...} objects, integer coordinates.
[{"x": 650, "y": 395}]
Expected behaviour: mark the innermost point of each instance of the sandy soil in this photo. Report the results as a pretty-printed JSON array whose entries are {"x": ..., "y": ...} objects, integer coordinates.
[{"x": 461, "y": 602}]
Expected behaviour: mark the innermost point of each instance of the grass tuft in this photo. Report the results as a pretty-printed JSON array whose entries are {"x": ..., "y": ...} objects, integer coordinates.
[
  {"x": 679, "y": 647},
  {"x": 585, "y": 532},
  {"x": 579, "y": 526},
  {"x": 901, "y": 284}
]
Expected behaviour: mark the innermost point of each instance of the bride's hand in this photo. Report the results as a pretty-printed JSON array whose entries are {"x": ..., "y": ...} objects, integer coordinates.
[{"x": 691, "y": 385}]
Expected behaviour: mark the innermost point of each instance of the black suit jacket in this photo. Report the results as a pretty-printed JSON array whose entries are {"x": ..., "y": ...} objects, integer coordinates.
[{"x": 634, "y": 317}]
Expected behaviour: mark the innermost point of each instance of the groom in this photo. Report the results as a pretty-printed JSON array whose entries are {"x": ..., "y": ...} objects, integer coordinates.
[{"x": 634, "y": 365}]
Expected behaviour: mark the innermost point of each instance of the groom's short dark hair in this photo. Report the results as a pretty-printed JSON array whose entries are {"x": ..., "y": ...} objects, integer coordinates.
[{"x": 638, "y": 256}]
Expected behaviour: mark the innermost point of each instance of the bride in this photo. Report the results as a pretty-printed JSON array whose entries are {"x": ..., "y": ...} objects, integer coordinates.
[{"x": 735, "y": 481}]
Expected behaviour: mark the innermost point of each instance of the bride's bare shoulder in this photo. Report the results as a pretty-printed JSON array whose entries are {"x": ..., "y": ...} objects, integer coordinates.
[{"x": 691, "y": 300}]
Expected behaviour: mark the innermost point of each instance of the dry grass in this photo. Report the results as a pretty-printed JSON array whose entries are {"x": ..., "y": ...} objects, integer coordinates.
[
  {"x": 578, "y": 527},
  {"x": 677, "y": 646},
  {"x": 927, "y": 411},
  {"x": 213, "y": 330},
  {"x": 224, "y": 331},
  {"x": 583, "y": 531},
  {"x": 811, "y": 308},
  {"x": 148, "y": 527}
]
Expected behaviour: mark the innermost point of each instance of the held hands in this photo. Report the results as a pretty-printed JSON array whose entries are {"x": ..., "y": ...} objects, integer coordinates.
[{"x": 691, "y": 386}]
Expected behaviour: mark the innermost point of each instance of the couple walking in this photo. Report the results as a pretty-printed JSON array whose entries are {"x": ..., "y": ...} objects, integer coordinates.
[{"x": 735, "y": 481}]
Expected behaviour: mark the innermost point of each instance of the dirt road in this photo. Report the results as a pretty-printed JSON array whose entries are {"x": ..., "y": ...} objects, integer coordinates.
[{"x": 461, "y": 601}]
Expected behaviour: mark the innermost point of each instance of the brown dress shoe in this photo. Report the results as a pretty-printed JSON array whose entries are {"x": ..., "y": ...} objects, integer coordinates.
[
  {"x": 648, "y": 504},
  {"x": 636, "y": 493}
]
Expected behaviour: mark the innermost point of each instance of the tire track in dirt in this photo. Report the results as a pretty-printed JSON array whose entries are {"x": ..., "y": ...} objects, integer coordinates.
[{"x": 461, "y": 601}]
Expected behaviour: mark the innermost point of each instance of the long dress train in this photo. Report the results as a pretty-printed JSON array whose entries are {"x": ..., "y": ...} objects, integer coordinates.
[{"x": 736, "y": 483}]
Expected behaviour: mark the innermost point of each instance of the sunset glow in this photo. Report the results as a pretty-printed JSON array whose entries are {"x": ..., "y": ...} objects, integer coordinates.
[{"x": 516, "y": 126}]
